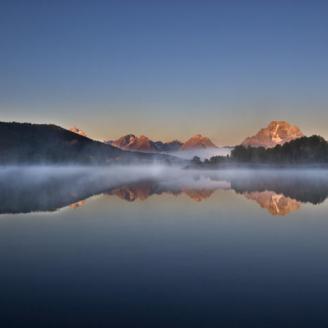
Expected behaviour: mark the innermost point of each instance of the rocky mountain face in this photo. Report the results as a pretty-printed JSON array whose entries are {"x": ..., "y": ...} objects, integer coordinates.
[
  {"x": 198, "y": 142},
  {"x": 132, "y": 142},
  {"x": 142, "y": 143},
  {"x": 276, "y": 133}
]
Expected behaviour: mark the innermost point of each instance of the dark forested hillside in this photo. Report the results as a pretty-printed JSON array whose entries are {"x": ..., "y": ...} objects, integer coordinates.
[
  {"x": 302, "y": 151},
  {"x": 34, "y": 143},
  {"x": 305, "y": 150},
  {"x": 25, "y": 143}
]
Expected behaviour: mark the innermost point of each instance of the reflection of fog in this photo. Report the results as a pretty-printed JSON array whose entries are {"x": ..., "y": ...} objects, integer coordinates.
[{"x": 24, "y": 190}]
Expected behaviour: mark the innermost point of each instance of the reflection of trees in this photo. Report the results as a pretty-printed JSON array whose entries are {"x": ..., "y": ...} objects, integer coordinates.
[
  {"x": 303, "y": 188},
  {"x": 24, "y": 194}
]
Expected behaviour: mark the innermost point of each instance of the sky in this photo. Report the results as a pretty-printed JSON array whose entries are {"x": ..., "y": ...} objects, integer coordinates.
[{"x": 166, "y": 69}]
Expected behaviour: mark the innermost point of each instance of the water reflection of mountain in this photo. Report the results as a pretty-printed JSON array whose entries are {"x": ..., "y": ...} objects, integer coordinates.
[
  {"x": 304, "y": 188},
  {"x": 23, "y": 192},
  {"x": 138, "y": 191},
  {"x": 276, "y": 204},
  {"x": 143, "y": 190}
]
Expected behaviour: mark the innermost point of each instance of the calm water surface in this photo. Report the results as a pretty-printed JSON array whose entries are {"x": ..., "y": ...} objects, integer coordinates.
[{"x": 163, "y": 247}]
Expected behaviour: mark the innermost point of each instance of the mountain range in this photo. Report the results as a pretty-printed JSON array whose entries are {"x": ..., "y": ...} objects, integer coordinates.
[
  {"x": 25, "y": 142},
  {"x": 276, "y": 133},
  {"x": 143, "y": 143}
]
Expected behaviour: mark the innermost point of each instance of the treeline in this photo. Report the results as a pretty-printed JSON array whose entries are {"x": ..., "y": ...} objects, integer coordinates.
[{"x": 305, "y": 150}]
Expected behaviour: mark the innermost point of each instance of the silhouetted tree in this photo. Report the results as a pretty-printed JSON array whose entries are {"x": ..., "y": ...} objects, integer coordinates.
[{"x": 196, "y": 160}]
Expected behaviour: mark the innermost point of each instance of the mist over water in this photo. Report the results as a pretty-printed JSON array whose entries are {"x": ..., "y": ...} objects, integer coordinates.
[
  {"x": 49, "y": 188},
  {"x": 205, "y": 153}
]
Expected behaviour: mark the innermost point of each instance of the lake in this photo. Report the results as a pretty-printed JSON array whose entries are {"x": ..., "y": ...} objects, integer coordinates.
[{"x": 155, "y": 246}]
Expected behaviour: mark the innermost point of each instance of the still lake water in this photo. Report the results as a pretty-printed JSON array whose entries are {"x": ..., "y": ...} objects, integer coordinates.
[{"x": 163, "y": 247}]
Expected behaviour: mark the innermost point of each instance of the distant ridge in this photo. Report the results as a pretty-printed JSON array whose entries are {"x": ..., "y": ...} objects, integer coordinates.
[{"x": 143, "y": 143}]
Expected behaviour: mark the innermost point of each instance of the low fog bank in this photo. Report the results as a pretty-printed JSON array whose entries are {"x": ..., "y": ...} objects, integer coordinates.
[
  {"x": 47, "y": 188},
  {"x": 202, "y": 153},
  {"x": 118, "y": 174}
]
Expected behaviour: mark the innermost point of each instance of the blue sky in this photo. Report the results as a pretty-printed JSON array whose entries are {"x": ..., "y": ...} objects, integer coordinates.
[{"x": 166, "y": 69}]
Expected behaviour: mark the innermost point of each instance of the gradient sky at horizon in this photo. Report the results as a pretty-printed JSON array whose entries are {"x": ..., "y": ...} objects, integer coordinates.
[{"x": 165, "y": 69}]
